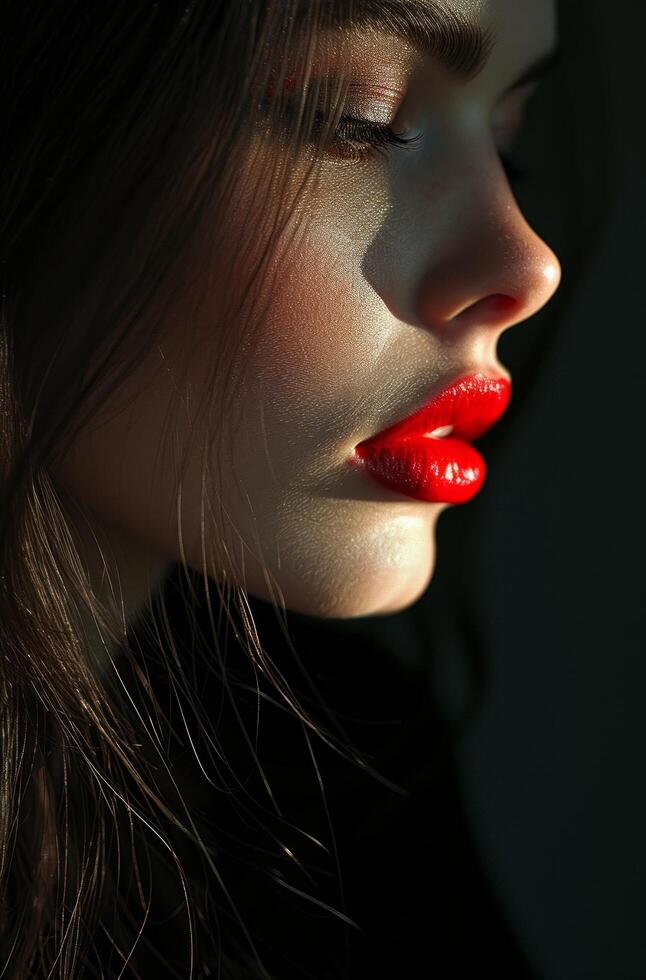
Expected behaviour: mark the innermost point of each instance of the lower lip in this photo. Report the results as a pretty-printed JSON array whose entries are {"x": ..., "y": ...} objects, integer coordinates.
[{"x": 436, "y": 470}]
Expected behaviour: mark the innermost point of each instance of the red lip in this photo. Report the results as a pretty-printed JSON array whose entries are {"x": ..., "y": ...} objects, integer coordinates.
[{"x": 445, "y": 469}]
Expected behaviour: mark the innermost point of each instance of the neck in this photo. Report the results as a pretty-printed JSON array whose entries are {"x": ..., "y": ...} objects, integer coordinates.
[{"x": 124, "y": 575}]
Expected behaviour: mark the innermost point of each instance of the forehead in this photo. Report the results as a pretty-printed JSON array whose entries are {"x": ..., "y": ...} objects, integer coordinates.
[{"x": 535, "y": 14}]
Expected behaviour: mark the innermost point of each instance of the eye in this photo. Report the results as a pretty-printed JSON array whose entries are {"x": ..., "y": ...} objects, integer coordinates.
[
  {"x": 358, "y": 139},
  {"x": 352, "y": 138}
]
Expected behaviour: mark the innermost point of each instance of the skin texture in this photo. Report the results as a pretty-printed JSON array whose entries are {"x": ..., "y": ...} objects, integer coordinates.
[{"x": 384, "y": 295}]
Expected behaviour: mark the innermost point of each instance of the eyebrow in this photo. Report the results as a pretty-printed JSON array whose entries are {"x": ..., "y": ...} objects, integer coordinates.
[{"x": 461, "y": 45}]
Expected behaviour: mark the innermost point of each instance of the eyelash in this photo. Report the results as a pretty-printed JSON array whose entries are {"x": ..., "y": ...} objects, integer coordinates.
[{"x": 361, "y": 138}]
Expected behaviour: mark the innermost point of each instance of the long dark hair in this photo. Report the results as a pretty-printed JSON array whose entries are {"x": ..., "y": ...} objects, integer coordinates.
[{"x": 125, "y": 128}]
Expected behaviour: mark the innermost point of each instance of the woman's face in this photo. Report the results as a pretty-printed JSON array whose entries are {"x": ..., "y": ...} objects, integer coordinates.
[{"x": 389, "y": 291}]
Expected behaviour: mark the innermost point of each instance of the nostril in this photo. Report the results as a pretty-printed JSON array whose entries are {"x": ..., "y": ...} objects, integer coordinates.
[
  {"x": 491, "y": 309},
  {"x": 503, "y": 304}
]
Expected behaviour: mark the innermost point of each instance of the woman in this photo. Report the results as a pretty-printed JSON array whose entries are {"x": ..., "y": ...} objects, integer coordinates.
[{"x": 258, "y": 257}]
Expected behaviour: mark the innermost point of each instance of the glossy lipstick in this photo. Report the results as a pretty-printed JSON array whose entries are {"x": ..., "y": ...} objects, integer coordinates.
[{"x": 428, "y": 455}]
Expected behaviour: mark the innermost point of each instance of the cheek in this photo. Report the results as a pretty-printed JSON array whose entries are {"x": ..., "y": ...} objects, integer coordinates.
[
  {"x": 310, "y": 369},
  {"x": 320, "y": 305},
  {"x": 334, "y": 545}
]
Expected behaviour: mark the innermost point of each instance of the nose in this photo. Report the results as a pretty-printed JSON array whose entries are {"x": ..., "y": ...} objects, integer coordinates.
[{"x": 494, "y": 272}]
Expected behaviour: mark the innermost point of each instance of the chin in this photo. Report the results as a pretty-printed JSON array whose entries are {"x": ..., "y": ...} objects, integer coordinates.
[
  {"x": 376, "y": 591},
  {"x": 397, "y": 593},
  {"x": 370, "y": 568}
]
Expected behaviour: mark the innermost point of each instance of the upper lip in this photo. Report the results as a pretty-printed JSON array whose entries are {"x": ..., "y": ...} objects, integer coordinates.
[{"x": 471, "y": 403}]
